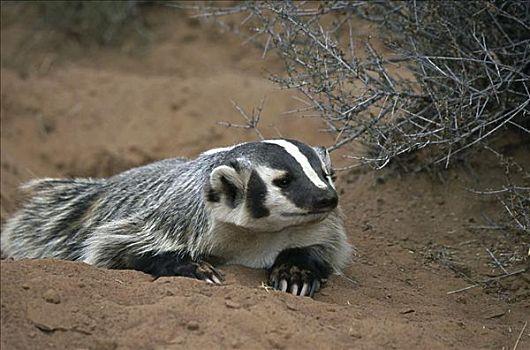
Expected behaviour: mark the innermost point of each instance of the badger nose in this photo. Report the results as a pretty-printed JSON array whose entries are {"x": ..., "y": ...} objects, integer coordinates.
[{"x": 327, "y": 201}]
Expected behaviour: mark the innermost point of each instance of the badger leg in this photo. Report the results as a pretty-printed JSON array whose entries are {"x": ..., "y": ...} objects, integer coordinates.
[
  {"x": 299, "y": 271},
  {"x": 175, "y": 264},
  {"x": 127, "y": 244}
]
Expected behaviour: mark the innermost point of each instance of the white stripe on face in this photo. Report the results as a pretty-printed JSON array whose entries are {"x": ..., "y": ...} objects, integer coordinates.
[
  {"x": 301, "y": 159},
  {"x": 328, "y": 177}
]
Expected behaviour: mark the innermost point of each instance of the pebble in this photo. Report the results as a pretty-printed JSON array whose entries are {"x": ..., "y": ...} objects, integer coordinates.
[
  {"x": 275, "y": 344},
  {"x": 177, "y": 340},
  {"x": 51, "y": 296},
  {"x": 232, "y": 304},
  {"x": 236, "y": 343},
  {"x": 103, "y": 344},
  {"x": 291, "y": 306},
  {"x": 407, "y": 311},
  {"x": 192, "y": 326}
]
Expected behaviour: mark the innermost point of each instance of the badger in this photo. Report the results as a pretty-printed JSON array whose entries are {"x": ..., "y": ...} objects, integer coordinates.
[{"x": 270, "y": 204}]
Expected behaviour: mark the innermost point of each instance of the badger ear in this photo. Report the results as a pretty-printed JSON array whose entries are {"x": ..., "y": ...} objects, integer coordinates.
[
  {"x": 323, "y": 154},
  {"x": 227, "y": 184}
]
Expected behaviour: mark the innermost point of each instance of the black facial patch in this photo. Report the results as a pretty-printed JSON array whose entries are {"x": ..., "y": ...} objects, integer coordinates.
[
  {"x": 212, "y": 195},
  {"x": 283, "y": 182},
  {"x": 256, "y": 195},
  {"x": 231, "y": 192},
  {"x": 300, "y": 190}
]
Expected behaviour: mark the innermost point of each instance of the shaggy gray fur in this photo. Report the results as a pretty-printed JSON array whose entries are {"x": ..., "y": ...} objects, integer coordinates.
[{"x": 160, "y": 207}]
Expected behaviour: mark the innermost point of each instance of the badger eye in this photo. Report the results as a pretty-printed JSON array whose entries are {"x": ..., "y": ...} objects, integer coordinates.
[{"x": 283, "y": 181}]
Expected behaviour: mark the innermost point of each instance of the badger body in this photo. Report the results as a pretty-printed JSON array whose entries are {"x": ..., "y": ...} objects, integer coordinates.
[{"x": 269, "y": 204}]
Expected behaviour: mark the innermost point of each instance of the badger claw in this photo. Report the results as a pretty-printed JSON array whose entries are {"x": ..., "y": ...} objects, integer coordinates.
[
  {"x": 283, "y": 285},
  {"x": 304, "y": 289},
  {"x": 175, "y": 264},
  {"x": 294, "y": 289},
  {"x": 216, "y": 280},
  {"x": 200, "y": 270},
  {"x": 206, "y": 272},
  {"x": 292, "y": 279},
  {"x": 315, "y": 287}
]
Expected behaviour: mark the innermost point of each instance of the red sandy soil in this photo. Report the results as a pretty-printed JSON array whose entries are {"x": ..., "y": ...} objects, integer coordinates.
[{"x": 72, "y": 111}]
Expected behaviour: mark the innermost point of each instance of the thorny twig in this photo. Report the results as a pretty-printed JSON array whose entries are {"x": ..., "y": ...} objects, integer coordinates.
[
  {"x": 454, "y": 73},
  {"x": 487, "y": 281},
  {"x": 520, "y": 335},
  {"x": 251, "y": 121},
  {"x": 497, "y": 261},
  {"x": 515, "y": 200}
]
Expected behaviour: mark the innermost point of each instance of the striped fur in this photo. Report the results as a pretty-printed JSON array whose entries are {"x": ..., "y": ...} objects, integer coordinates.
[{"x": 200, "y": 207}]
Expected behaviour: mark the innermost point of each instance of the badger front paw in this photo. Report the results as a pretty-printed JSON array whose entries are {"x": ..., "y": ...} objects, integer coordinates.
[
  {"x": 299, "y": 271},
  {"x": 199, "y": 270},
  {"x": 176, "y": 264},
  {"x": 295, "y": 280}
]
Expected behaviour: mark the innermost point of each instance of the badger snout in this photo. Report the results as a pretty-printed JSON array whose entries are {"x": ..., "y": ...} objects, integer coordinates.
[{"x": 326, "y": 202}]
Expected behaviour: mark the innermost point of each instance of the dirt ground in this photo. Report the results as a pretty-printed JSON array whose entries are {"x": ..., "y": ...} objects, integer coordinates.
[{"x": 68, "y": 110}]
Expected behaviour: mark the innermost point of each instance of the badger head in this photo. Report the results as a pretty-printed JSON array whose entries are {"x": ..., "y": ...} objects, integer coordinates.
[{"x": 271, "y": 185}]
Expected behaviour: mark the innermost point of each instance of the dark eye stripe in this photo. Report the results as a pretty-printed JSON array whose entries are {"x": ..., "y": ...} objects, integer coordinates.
[
  {"x": 256, "y": 196},
  {"x": 283, "y": 181},
  {"x": 298, "y": 156}
]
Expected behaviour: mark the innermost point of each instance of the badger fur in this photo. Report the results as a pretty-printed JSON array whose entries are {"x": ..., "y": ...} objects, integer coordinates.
[{"x": 269, "y": 204}]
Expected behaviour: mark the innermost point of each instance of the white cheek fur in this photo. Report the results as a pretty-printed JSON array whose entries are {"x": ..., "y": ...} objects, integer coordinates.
[
  {"x": 259, "y": 250},
  {"x": 275, "y": 202}
]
